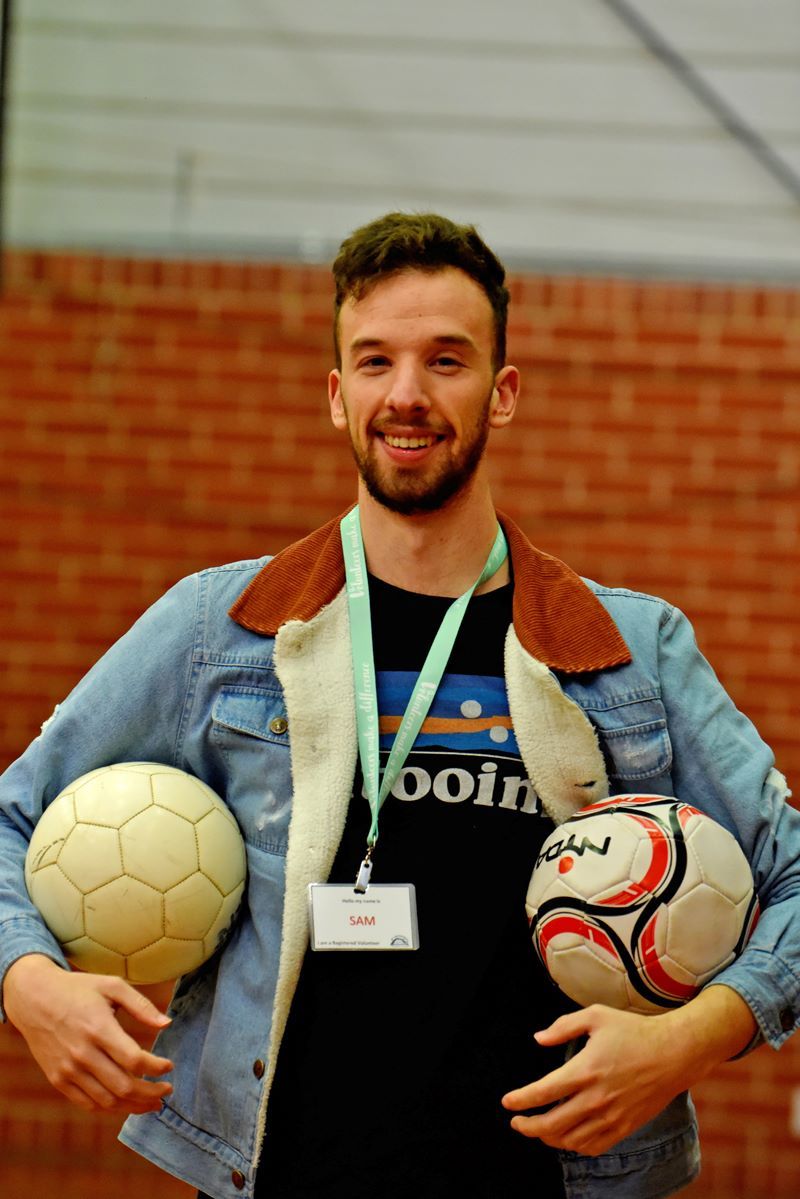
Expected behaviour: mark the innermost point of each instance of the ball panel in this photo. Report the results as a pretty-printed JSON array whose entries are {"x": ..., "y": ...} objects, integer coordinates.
[
  {"x": 650, "y": 867},
  {"x": 221, "y": 850},
  {"x": 176, "y": 841},
  {"x": 59, "y": 902},
  {"x": 586, "y": 976},
  {"x": 702, "y": 928},
  {"x": 225, "y": 915},
  {"x": 192, "y": 907},
  {"x": 720, "y": 860},
  {"x": 50, "y": 833},
  {"x": 125, "y": 914},
  {"x": 184, "y": 795},
  {"x": 90, "y": 856},
  {"x": 167, "y": 958},
  {"x": 111, "y": 797},
  {"x": 86, "y": 954},
  {"x": 666, "y": 978}
]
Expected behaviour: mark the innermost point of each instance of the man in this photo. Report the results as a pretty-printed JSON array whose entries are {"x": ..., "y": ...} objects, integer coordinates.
[{"x": 454, "y": 1068}]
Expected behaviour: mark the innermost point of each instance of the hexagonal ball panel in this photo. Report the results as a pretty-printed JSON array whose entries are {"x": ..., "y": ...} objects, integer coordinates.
[
  {"x": 183, "y": 794},
  {"x": 59, "y": 901},
  {"x": 125, "y": 915},
  {"x": 159, "y": 848},
  {"x": 222, "y": 853},
  {"x": 703, "y": 927},
  {"x": 721, "y": 862},
  {"x": 225, "y": 915},
  {"x": 112, "y": 796},
  {"x": 50, "y": 833},
  {"x": 86, "y": 954},
  {"x": 588, "y": 978},
  {"x": 90, "y": 857},
  {"x": 165, "y": 960},
  {"x": 191, "y": 907}
]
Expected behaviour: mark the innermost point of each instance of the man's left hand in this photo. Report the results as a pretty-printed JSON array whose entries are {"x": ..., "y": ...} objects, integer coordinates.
[{"x": 629, "y": 1069}]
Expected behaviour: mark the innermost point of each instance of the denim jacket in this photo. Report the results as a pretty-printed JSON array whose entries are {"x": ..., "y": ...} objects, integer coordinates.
[{"x": 241, "y": 675}]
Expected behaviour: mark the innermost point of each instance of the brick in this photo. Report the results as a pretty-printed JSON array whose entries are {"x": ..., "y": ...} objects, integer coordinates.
[{"x": 159, "y": 416}]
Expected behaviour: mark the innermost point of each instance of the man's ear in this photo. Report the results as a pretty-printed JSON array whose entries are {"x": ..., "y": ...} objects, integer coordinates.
[
  {"x": 504, "y": 397},
  {"x": 336, "y": 400}
]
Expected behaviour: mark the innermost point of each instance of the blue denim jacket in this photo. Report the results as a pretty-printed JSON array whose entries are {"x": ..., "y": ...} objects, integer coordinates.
[{"x": 607, "y": 692}]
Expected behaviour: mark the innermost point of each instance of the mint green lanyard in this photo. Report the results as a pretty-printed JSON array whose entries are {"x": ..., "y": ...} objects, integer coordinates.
[{"x": 426, "y": 685}]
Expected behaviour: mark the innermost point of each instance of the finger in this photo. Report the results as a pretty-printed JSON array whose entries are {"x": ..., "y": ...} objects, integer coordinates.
[
  {"x": 135, "y": 1003},
  {"x": 557, "y": 1085},
  {"x": 89, "y": 1094},
  {"x": 108, "y": 1086},
  {"x": 565, "y": 1028},
  {"x": 562, "y": 1126},
  {"x": 111, "y": 1039},
  {"x": 586, "y": 1137},
  {"x": 99, "y": 1086}
]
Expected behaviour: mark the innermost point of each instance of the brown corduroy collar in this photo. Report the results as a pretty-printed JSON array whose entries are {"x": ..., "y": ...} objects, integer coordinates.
[{"x": 556, "y": 617}]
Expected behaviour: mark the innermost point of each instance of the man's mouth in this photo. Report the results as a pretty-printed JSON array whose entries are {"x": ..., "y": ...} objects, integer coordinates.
[{"x": 410, "y": 443}]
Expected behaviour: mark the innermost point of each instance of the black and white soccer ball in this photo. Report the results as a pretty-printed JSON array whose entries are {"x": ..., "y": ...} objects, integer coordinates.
[{"x": 638, "y": 901}]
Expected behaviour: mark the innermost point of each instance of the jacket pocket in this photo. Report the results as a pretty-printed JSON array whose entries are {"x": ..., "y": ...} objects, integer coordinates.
[
  {"x": 249, "y": 727},
  {"x": 256, "y": 711},
  {"x": 635, "y": 742}
]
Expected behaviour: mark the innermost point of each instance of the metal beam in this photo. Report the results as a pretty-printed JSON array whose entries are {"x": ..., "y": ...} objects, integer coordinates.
[{"x": 728, "y": 116}]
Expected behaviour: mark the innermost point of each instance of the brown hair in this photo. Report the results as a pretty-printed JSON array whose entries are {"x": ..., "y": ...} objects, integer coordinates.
[{"x": 425, "y": 241}]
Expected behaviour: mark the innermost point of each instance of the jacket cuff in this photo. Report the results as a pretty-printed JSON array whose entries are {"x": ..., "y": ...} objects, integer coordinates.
[
  {"x": 22, "y": 935},
  {"x": 772, "y": 992}
]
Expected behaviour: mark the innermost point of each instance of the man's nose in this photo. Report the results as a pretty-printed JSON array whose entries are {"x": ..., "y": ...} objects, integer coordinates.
[{"x": 407, "y": 392}]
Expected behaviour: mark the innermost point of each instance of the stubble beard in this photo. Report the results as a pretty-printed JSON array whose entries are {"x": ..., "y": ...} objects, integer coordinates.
[{"x": 412, "y": 492}]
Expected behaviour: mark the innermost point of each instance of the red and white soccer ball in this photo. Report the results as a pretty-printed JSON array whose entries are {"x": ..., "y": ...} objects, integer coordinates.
[{"x": 638, "y": 901}]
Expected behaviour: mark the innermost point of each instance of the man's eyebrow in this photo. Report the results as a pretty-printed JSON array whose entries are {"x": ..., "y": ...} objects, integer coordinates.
[{"x": 442, "y": 339}]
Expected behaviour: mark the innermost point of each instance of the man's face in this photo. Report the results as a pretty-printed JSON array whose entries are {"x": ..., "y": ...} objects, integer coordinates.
[{"x": 417, "y": 390}]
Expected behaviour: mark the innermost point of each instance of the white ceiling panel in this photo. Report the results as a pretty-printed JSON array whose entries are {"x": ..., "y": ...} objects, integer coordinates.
[{"x": 255, "y": 127}]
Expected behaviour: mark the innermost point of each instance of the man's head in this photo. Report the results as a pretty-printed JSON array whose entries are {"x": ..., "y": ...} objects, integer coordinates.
[
  {"x": 401, "y": 242},
  {"x": 418, "y": 335}
]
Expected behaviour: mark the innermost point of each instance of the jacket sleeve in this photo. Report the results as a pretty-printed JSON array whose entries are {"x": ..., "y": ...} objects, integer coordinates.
[
  {"x": 721, "y": 764},
  {"x": 127, "y": 708}
]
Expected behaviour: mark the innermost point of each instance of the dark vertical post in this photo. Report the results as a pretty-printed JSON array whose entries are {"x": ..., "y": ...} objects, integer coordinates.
[{"x": 5, "y": 33}]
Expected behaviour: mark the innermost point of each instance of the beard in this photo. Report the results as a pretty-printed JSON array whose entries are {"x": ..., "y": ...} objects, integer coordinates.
[{"x": 412, "y": 491}]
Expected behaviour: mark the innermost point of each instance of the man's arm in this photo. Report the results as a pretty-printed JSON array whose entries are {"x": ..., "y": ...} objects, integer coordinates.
[
  {"x": 629, "y": 1069},
  {"x": 129, "y": 706},
  {"x": 69, "y": 1022}
]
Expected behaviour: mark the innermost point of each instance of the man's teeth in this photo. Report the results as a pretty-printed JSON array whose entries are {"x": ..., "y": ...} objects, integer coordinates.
[{"x": 409, "y": 443}]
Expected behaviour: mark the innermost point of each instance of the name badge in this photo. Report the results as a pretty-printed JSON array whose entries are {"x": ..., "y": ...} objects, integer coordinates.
[{"x": 383, "y": 917}]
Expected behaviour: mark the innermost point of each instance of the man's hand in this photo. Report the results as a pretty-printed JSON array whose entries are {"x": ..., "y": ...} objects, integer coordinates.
[
  {"x": 629, "y": 1069},
  {"x": 70, "y": 1025}
]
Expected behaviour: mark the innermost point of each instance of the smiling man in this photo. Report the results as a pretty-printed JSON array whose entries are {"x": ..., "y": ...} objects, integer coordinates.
[
  {"x": 397, "y": 709},
  {"x": 417, "y": 387}
]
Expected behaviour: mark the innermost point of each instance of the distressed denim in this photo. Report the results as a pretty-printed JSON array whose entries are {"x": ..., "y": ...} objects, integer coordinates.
[{"x": 190, "y": 688}]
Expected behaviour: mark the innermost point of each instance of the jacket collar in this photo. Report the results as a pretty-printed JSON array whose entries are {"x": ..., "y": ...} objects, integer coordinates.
[{"x": 557, "y": 618}]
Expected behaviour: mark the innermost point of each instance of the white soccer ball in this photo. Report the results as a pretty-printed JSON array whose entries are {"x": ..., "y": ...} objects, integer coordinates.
[
  {"x": 138, "y": 870},
  {"x": 638, "y": 901}
]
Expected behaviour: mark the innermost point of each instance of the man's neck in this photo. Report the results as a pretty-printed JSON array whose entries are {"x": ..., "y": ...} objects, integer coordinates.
[{"x": 432, "y": 553}]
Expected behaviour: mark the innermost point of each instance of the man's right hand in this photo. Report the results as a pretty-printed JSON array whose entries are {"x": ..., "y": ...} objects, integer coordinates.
[{"x": 69, "y": 1022}]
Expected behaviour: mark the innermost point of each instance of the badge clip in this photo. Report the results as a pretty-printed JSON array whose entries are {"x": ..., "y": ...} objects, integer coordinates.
[{"x": 364, "y": 873}]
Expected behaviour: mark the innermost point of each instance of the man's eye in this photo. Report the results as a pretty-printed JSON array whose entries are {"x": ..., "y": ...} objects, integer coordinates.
[
  {"x": 375, "y": 362},
  {"x": 446, "y": 360}
]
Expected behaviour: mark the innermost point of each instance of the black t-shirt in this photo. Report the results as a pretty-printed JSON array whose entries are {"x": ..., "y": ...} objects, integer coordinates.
[{"x": 393, "y": 1064}]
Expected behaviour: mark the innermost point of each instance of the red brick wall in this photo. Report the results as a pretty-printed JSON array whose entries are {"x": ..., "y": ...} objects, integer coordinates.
[{"x": 157, "y": 417}]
